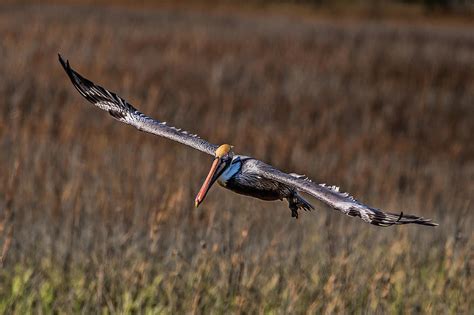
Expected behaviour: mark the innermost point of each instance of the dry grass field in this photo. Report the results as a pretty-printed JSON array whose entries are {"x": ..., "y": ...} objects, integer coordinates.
[{"x": 96, "y": 217}]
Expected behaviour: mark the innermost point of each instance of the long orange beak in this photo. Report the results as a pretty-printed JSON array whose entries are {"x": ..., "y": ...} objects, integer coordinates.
[{"x": 207, "y": 183}]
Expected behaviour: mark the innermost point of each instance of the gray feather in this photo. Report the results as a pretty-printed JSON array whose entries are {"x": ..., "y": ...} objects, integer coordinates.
[
  {"x": 123, "y": 111},
  {"x": 341, "y": 201}
]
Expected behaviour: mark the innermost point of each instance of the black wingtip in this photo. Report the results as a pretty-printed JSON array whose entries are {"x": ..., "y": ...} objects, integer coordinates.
[
  {"x": 76, "y": 79},
  {"x": 63, "y": 63},
  {"x": 400, "y": 217},
  {"x": 390, "y": 219},
  {"x": 66, "y": 67},
  {"x": 61, "y": 60},
  {"x": 416, "y": 220}
]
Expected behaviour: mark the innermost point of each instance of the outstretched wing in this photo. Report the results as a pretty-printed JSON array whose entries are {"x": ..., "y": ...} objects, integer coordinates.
[
  {"x": 341, "y": 201},
  {"x": 121, "y": 110}
]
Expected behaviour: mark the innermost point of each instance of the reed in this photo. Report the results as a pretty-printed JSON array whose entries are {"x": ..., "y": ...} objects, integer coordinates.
[{"x": 103, "y": 214}]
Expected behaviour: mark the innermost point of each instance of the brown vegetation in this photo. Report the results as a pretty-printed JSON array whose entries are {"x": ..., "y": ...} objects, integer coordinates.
[{"x": 102, "y": 217}]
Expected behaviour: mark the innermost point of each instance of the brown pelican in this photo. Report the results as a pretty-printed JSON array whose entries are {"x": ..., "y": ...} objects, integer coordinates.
[{"x": 241, "y": 174}]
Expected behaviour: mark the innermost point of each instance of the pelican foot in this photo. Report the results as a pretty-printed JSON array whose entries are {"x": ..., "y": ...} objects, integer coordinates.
[{"x": 294, "y": 213}]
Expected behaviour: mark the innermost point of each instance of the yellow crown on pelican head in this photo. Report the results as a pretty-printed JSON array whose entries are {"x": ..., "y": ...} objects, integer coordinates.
[{"x": 223, "y": 150}]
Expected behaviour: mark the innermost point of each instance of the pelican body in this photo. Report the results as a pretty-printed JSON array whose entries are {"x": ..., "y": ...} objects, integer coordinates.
[
  {"x": 238, "y": 173},
  {"x": 243, "y": 175}
]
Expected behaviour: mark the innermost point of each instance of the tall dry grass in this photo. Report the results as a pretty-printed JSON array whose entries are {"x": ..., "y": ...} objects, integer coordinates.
[{"x": 102, "y": 216}]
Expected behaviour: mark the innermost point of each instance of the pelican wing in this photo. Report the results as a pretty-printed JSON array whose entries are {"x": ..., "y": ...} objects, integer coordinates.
[
  {"x": 341, "y": 201},
  {"x": 123, "y": 111}
]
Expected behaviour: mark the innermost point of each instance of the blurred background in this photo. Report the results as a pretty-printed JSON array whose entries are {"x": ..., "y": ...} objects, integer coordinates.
[{"x": 374, "y": 96}]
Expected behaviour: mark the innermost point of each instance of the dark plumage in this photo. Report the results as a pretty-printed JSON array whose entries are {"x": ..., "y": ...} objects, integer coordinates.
[{"x": 241, "y": 174}]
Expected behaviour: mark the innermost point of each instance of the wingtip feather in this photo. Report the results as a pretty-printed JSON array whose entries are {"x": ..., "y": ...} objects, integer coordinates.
[
  {"x": 61, "y": 61},
  {"x": 65, "y": 65}
]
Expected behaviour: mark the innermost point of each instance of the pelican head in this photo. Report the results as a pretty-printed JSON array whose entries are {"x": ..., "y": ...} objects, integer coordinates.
[{"x": 222, "y": 160}]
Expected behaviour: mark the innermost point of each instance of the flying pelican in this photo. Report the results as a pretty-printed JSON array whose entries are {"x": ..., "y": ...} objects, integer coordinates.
[{"x": 241, "y": 174}]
